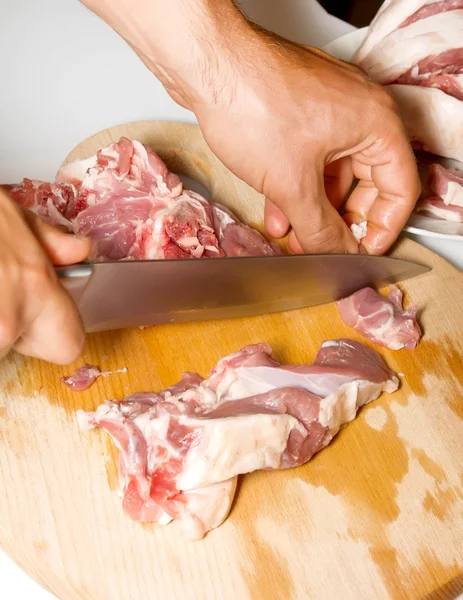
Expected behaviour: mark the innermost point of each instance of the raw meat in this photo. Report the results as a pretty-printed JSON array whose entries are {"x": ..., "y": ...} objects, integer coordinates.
[
  {"x": 128, "y": 203},
  {"x": 381, "y": 319},
  {"x": 86, "y": 376},
  {"x": 447, "y": 184},
  {"x": 399, "y": 52},
  {"x": 415, "y": 48},
  {"x": 443, "y": 72},
  {"x": 182, "y": 449},
  {"x": 435, "y": 207},
  {"x": 433, "y": 119},
  {"x": 395, "y": 14}
]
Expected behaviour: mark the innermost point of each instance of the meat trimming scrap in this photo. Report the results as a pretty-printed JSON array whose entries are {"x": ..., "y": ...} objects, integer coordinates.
[{"x": 181, "y": 449}]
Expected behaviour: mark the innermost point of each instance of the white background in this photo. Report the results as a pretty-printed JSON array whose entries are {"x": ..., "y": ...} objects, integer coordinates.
[{"x": 65, "y": 75}]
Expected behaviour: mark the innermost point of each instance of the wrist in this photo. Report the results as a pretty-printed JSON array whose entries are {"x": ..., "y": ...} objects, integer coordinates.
[{"x": 188, "y": 45}]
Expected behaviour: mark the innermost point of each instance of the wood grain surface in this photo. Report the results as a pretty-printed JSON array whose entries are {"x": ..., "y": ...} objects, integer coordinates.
[{"x": 378, "y": 514}]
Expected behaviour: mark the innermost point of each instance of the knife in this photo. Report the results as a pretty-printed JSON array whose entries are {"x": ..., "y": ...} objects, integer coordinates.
[{"x": 115, "y": 295}]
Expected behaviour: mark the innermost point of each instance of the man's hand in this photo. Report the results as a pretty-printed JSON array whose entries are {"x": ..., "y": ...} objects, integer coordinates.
[
  {"x": 293, "y": 122},
  {"x": 37, "y": 317}
]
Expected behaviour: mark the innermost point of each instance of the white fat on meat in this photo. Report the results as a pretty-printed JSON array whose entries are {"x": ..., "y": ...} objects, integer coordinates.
[
  {"x": 182, "y": 449},
  {"x": 437, "y": 209},
  {"x": 447, "y": 184},
  {"x": 359, "y": 230},
  {"x": 235, "y": 445},
  {"x": 432, "y": 118},
  {"x": 392, "y": 15},
  {"x": 405, "y": 47}
]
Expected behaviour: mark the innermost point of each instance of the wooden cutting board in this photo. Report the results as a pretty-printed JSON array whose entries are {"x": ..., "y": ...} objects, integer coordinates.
[{"x": 378, "y": 514}]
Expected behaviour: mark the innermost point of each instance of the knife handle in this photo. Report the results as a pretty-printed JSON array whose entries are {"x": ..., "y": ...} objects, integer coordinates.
[{"x": 74, "y": 278}]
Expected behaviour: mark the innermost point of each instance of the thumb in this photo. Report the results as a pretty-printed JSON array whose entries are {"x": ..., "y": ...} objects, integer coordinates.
[
  {"x": 61, "y": 247},
  {"x": 318, "y": 228}
]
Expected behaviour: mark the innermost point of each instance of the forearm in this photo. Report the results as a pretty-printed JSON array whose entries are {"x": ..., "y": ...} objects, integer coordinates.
[{"x": 185, "y": 43}]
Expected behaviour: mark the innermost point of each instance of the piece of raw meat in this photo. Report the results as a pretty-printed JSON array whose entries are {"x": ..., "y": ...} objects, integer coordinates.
[
  {"x": 447, "y": 184},
  {"x": 433, "y": 119},
  {"x": 395, "y": 14},
  {"x": 86, "y": 376},
  {"x": 381, "y": 319},
  {"x": 443, "y": 72},
  {"x": 182, "y": 449},
  {"x": 128, "y": 203},
  {"x": 415, "y": 48},
  {"x": 430, "y": 44},
  {"x": 436, "y": 208}
]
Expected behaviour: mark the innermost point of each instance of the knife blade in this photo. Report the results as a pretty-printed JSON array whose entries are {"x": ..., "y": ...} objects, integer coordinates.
[{"x": 115, "y": 295}]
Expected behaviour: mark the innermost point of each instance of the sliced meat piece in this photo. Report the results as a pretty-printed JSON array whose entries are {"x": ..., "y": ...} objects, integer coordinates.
[
  {"x": 181, "y": 449},
  {"x": 436, "y": 208},
  {"x": 394, "y": 14},
  {"x": 381, "y": 319},
  {"x": 404, "y": 48},
  {"x": 443, "y": 72},
  {"x": 86, "y": 376},
  {"x": 83, "y": 378},
  {"x": 434, "y": 120},
  {"x": 447, "y": 184}
]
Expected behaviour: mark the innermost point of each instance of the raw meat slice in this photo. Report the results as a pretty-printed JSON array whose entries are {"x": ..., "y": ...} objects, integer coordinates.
[
  {"x": 433, "y": 119},
  {"x": 182, "y": 449},
  {"x": 381, "y": 319},
  {"x": 404, "y": 48},
  {"x": 86, "y": 376},
  {"x": 400, "y": 13},
  {"x": 128, "y": 203},
  {"x": 436, "y": 208},
  {"x": 443, "y": 72},
  {"x": 447, "y": 184}
]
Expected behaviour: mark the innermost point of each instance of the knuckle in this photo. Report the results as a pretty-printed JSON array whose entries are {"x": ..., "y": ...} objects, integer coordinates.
[{"x": 326, "y": 237}]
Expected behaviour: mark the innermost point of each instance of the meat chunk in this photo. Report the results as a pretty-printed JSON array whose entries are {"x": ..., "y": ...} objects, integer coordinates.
[
  {"x": 415, "y": 48},
  {"x": 86, "y": 376},
  {"x": 397, "y": 14},
  {"x": 381, "y": 319},
  {"x": 437, "y": 40},
  {"x": 182, "y": 449},
  {"x": 128, "y": 203}
]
